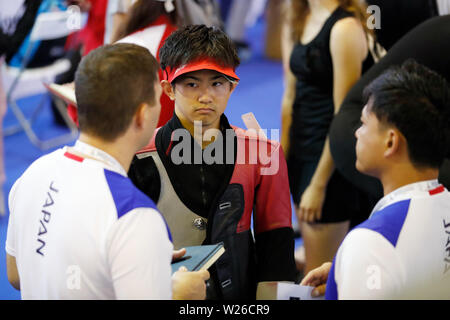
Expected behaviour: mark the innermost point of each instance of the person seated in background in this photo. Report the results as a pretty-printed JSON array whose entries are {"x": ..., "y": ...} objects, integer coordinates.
[
  {"x": 148, "y": 23},
  {"x": 402, "y": 251},
  {"x": 78, "y": 227},
  {"x": 196, "y": 170},
  {"x": 116, "y": 14}
]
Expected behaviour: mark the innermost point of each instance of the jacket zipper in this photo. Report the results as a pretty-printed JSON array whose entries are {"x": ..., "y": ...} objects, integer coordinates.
[{"x": 202, "y": 177}]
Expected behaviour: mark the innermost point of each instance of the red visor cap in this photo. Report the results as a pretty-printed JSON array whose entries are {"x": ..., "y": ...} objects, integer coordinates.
[{"x": 199, "y": 65}]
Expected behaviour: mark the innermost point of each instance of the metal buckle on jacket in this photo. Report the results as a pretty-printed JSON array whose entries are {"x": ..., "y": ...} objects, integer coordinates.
[
  {"x": 199, "y": 223},
  {"x": 226, "y": 283},
  {"x": 224, "y": 205}
]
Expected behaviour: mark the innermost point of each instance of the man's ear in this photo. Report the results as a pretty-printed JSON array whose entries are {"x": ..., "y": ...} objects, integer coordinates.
[
  {"x": 168, "y": 89},
  {"x": 233, "y": 86},
  {"x": 141, "y": 114},
  {"x": 394, "y": 141}
]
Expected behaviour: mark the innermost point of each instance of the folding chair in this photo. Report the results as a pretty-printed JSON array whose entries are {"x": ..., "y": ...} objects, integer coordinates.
[{"x": 48, "y": 26}]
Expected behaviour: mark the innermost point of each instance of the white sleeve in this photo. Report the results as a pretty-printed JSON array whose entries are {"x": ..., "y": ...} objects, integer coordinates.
[
  {"x": 10, "y": 244},
  {"x": 139, "y": 254},
  {"x": 367, "y": 267}
]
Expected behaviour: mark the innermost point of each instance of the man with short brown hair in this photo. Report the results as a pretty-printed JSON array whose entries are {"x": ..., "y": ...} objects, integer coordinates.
[{"x": 78, "y": 227}]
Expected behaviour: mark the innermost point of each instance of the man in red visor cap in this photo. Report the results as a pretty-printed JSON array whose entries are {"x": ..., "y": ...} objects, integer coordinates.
[{"x": 208, "y": 178}]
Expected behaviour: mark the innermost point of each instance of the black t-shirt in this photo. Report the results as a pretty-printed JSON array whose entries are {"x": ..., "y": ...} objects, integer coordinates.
[{"x": 398, "y": 17}]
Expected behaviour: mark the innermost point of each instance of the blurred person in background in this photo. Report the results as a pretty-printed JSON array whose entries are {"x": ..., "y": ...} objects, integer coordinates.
[
  {"x": 149, "y": 23},
  {"x": 16, "y": 21},
  {"x": 116, "y": 14},
  {"x": 392, "y": 25}
]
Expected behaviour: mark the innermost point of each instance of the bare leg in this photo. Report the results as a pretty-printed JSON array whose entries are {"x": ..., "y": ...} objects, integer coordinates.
[{"x": 321, "y": 241}]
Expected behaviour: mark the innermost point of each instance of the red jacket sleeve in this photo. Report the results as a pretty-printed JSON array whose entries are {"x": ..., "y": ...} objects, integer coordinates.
[{"x": 272, "y": 208}]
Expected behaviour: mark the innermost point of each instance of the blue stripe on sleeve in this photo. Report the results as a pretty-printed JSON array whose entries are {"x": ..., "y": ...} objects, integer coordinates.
[
  {"x": 127, "y": 197},
  {"x": 331, "y": 292},
  {"x": 389, "y": 221}
]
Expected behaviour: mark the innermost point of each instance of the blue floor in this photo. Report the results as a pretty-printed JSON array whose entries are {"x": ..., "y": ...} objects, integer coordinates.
[{"x": 259, "y": 91}]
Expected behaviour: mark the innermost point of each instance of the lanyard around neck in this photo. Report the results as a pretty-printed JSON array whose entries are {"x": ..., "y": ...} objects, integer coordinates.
[
  {"x": 90, "y": 152},
  {"x": 405, "y": 192}
]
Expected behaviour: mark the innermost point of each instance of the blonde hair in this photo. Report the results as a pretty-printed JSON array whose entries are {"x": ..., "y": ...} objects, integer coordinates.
[{"x": 299, "y": 9}]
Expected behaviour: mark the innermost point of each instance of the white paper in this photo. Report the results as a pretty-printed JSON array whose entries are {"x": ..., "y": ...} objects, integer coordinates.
[
  {"x": 289, "y": 291},
  {"x": 252, "y": 124}
]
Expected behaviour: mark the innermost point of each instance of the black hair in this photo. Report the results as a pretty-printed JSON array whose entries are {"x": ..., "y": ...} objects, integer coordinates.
[
  {"x": 110, "y": 83},
  {"x": 416, "y": 100},
  {"x": 196, "y": 42}
]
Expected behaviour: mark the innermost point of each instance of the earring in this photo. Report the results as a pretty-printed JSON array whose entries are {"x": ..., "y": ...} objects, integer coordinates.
[{"x": 168, "y": 5}]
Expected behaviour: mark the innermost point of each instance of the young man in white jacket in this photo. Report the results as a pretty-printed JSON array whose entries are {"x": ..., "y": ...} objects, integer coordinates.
[{"x": 403, "y": 250}]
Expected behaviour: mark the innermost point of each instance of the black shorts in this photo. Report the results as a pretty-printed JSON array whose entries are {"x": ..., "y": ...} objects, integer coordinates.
[{"x": 343, "y": 201}]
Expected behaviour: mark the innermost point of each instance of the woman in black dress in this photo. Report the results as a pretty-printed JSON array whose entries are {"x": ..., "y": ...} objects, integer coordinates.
[{"x": 326, "y": 50}]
